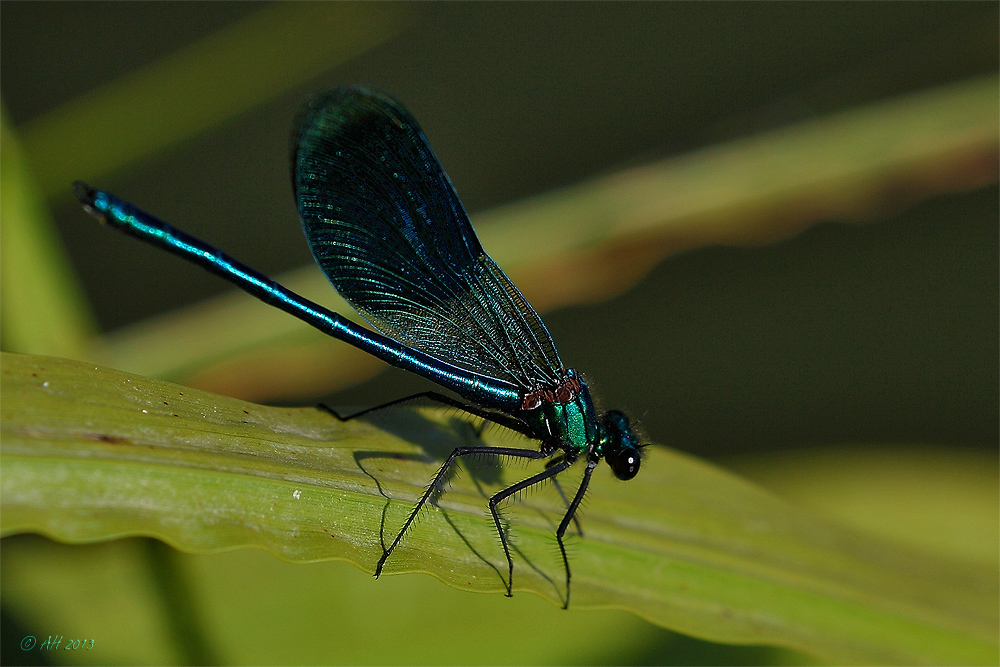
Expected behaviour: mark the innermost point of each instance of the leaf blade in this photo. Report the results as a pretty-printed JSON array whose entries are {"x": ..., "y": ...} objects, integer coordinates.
[{"x": 91, "y": 453}]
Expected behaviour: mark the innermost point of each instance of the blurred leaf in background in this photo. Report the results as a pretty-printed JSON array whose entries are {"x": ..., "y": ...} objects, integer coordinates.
[{"x": 44, "y": 311}]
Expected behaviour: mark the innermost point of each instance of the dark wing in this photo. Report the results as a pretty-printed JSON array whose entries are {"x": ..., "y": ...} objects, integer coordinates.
[{"x": 391, "y": 234}]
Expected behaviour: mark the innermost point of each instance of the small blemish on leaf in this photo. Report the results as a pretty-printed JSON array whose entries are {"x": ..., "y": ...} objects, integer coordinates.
[{"x": 113, "y": 439}]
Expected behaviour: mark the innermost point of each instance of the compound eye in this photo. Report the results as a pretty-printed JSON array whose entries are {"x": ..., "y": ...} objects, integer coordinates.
[{"x": 624, "y": 463}]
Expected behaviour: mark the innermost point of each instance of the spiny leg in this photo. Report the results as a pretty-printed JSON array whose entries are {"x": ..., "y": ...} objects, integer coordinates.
[
  {"x": 506, "y": 493},
  {"x": 483, "y": 413},
  {"x": 576, "y": 522},
  {"x": 459, "y": 451},
  {"x": 570, "y": 514}
]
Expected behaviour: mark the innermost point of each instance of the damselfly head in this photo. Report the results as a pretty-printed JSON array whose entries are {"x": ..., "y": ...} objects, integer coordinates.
[{"x": 621, "y": 450}]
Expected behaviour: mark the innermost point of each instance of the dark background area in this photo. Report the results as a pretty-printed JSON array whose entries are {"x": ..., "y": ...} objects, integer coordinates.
[{"x": 879, "y": 332}]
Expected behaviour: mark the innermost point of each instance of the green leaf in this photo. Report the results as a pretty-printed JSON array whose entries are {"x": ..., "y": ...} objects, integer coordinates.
[
  {"x": 90, "y": 454},
  {"x": 940, "y": 499},
  {"x": 262, "y": 611},
  {"x": 43, "y": 307}
]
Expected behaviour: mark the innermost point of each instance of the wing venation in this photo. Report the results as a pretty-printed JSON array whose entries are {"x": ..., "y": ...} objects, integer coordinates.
[{"x": 389, "y": 231}]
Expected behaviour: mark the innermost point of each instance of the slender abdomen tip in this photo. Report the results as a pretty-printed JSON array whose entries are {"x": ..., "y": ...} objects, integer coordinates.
[
  {"x": 94, "y": 201},
  {"x": 84, "y": 193}
]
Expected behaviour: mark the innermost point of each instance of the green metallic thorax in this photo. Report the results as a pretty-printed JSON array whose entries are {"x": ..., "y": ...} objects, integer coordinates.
[{"x": 574, "y": 424}]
